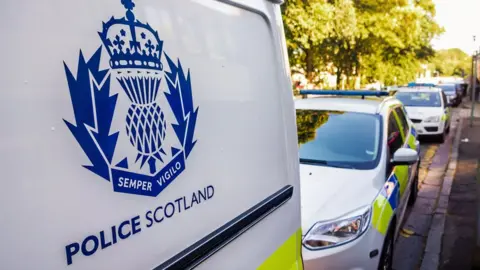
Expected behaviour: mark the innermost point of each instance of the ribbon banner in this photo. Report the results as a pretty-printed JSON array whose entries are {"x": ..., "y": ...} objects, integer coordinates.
[{"x": 135, "y": 183}]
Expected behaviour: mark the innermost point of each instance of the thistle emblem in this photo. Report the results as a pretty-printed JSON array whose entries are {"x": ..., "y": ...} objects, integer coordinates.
[{"x": 135, "y": 51}]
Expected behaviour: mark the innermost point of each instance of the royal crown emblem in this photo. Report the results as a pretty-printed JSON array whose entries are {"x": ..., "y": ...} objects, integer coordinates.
[{"x": 135, "y": 52}]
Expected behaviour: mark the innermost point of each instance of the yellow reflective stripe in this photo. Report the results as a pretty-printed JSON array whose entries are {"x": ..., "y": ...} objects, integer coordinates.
[
  {"x": 401, "y": 172},
  {"x": 411, "y": 141},
  {"x": 386, "y": 201},
  {"x": 382, "y": 214},
  {"x": 399, "y": 124},
  {"x": 287, "y": 256},
  {"x": 446, "y": 115}
]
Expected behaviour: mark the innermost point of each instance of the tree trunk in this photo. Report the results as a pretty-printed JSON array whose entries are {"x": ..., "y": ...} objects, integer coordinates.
[
  {"x": 309, "y": 62},
  {"x": 339, "y": 77}
]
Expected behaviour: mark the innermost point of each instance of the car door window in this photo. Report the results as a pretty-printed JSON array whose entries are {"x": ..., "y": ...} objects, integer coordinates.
[
  {"x": 444, "y": 98},
  {"x": 403, "y": 120},
  {"x": 394, "y": 140}
]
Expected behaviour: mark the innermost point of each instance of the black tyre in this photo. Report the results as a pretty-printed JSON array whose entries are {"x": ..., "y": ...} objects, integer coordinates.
[
  {"x": 386, "y": 259},
  {"x": 441, "y": 137},
  {"x": 414, "y": 188}
]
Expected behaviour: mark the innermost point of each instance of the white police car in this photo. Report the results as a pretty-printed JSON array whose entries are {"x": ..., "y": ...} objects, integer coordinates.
[
  {"x": 428, "y": 109},
  {"x": 358, "y": 173}
]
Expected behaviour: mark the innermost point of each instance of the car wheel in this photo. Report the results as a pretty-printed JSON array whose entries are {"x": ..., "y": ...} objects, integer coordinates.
[
  {"x": 414, "y": 188},
  {"x": 441, "y": 137},
  {"x": 386, "y": 259}
]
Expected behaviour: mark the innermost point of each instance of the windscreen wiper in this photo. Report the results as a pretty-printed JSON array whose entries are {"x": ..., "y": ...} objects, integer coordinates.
[
  {"x": 325, "y": 163},
  {"x": 342, "y": 166},
  {"x": 313, "y": 161}
]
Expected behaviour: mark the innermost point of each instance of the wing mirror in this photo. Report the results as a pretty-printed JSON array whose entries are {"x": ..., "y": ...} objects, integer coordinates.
[{"x": 404, "y": 156}]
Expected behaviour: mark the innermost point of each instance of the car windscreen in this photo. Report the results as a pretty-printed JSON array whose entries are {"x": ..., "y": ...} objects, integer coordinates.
[
  {"x": 339, "y": 139},
  {"x": 419, "y": 99},
  {"x": 448, "y": 89}
]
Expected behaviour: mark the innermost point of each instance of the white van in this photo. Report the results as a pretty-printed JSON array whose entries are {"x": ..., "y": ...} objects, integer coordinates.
[{"x": 146, "y": 134}]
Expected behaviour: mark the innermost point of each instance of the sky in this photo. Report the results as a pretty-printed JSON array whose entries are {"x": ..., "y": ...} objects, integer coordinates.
[{"x": 461, "y": 20}]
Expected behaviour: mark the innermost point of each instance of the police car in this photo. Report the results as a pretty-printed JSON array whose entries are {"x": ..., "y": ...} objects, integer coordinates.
[
  {"x": 358, "y": 172},
  {"x": 428, "y": 109}
]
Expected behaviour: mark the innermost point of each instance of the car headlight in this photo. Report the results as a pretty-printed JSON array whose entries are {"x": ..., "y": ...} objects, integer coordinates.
[
  {"x": 340, "y": 231},
  {"x": 432, "y": 119}
]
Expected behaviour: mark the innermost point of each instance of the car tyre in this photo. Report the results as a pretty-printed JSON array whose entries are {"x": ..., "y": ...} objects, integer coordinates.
[
  {"x": 414, "y": 188},
  {"x": 386, "y": 259},
  {"x": 441, "y": 137}
]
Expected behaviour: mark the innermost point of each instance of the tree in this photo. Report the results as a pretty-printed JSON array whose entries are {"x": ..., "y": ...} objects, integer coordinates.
[
  {"x": 307, "y": 23},
  {"x": 384, "y": 40},
  {"x": 308, "y": 121},
  {"x": 341, "y": 47},
  {"x": 396, "y": 38},
  {"x": 451, "y": 62}
]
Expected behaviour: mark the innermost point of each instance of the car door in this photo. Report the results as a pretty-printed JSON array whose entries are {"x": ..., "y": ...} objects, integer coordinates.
[
  {"x": 446, "y": 110},
  {"x": 410, "y": 138},
  {"x": 395, "y": 141}
]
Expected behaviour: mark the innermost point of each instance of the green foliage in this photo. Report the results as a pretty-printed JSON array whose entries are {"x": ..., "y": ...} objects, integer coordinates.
[
  {"x": 451, "y": 62},
  {"x": 384, "y": 40},
  {"x": 307, "y": 23},
  {"x": 308, "y": 121}
]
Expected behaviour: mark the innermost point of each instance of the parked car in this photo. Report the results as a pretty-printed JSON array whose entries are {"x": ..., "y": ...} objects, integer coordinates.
[
  {"x": 358, "y": 172},
  {"x": 463, "y": 88},
  {"x": 428, "y": 109},
  {"x": 453, "y": 92}
]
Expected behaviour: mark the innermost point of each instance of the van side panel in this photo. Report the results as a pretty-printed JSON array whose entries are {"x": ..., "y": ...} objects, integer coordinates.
[{"x": 86, "y": 189}]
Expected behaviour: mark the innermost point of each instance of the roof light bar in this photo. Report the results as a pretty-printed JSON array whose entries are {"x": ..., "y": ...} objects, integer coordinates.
[
  {"x": 413, "y": 84},
  {"x": 345, "y": 93}
]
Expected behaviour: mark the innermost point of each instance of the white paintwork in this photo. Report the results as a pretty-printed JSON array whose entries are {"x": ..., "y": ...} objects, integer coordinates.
[
  {"x": 351, "y": 256},
  {"x": 328, "y": 194},
  {"x": 405, "y": 156},
  {"x": 339, "y": 103},
  {"x": 246, "y": 134},
  {"x": 422, "y": 113}
]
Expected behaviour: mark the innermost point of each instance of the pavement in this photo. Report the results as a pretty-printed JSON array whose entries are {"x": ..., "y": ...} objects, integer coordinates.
[
  {"x": 460, "y": 235},
  {"x": 439, "y": 231}
]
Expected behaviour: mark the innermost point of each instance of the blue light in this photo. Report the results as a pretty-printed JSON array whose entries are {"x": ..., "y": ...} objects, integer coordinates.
[
  {"x": 414, "y": 84},
  {"x": 344, "y": 93}
]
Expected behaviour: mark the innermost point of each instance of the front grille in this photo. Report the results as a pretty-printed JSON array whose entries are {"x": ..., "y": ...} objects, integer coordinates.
[
  {"x": 416, "y": 121},
  {"x": 431, "y": 129}
]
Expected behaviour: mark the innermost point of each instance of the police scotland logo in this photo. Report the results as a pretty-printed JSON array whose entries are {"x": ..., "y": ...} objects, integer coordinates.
[{"x": 159, "y": 124}]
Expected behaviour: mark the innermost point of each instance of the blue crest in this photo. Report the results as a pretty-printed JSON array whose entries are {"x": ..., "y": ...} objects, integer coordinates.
[
  {"x": 135, "y": 51},
  {"x": 130, "y": 43}
]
